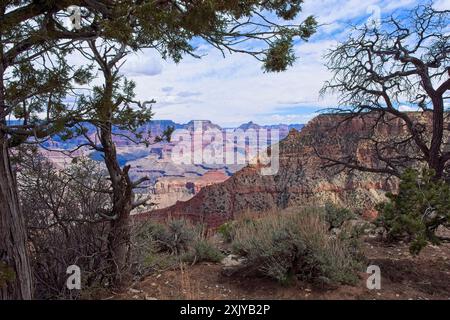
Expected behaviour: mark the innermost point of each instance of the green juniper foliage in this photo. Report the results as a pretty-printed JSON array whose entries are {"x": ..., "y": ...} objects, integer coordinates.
[
  {"x": 36, "y": 81},
  {"x": 35, "y": 39},
  {"x": 416, "y": 212},
  {"x": 111, "y": 105}
]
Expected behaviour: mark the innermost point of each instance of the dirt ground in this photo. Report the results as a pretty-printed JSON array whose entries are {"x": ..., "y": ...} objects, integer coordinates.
[{"x": 403, "y": 277}]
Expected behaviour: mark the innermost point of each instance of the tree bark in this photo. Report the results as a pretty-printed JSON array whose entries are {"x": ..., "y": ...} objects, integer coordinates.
[
  {"x": 13, "y": 246},
  {"x": 13, "y": 235},
  {"x": 119, "y": 249},
  {"x": 119, "y": 238},
  {"x": 436, "y": 162}
]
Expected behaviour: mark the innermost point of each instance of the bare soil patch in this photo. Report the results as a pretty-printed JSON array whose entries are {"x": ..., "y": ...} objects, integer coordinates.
[{"x": 403, "y": 277}]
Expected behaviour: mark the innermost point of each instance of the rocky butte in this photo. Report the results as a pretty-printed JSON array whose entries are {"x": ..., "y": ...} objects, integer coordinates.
[
  {"x": 169, "y": 181},
  {"x": 302, "y": 179}
]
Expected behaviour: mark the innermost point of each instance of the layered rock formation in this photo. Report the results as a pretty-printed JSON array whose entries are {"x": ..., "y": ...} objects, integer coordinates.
[
  {"x": 169, "y": 181},
  {"x": 167, "y": 191},
  {"x": 302, "y": 178}
]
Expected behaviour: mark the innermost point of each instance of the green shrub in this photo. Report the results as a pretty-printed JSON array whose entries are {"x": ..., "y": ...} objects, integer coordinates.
[
  {"x": 161, "y": 246},
  {"x": 176, "y": 237},
  {"x": 226, "y": 231},
  {"x": 416, "y": 212},
  {"x": 298, "y": 245},
  {"x": 336, "y": 216},
  {"x": 159, "y": 261},
  {"x": 203, "y": 251}
]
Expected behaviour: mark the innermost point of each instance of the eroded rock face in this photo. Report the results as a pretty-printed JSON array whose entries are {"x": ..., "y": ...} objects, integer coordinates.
[
  {"x": 302, "y": 179},
  {"x": 168, "y": 190}
]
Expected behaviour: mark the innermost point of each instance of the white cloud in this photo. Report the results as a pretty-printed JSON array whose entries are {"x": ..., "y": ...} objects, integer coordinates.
[
  {"x": 291, "y": 118},
  {"x": 405, "y": 108},
  {"x": 442, "y": 5},
  {"x": 143, "y": 63},
  {"x": 235, "y": 90}
]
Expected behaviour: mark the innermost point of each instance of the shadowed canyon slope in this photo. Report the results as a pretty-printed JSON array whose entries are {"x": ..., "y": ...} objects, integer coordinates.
[{"x": 303, "y": 178}]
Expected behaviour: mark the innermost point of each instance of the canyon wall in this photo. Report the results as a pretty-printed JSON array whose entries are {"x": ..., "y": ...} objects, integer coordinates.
[{"x": 303, "y": 178}]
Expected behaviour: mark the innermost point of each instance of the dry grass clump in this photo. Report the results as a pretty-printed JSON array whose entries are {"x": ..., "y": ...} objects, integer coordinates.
[
  {"x": 164, "y": 246},
  {"x": 297, "y": 244}
]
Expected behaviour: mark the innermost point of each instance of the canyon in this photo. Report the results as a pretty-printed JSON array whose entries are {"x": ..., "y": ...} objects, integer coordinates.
[
  {"x": 170, "y": 181},
  {"x": 304, "y": 178}
]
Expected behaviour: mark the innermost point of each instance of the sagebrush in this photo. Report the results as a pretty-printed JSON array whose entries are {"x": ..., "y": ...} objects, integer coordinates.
[
  {"x": 165, "y": 245},
  {"x": 298, "y": 245}
]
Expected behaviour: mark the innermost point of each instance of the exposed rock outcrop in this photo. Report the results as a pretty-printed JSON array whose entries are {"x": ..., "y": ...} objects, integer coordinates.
[
  {"x": 168, "y": 190},
  {"x": 302, "y": 178}
]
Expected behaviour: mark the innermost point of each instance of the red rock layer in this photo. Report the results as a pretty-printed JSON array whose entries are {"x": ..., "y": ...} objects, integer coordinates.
[{"x": 302, "y": 179}]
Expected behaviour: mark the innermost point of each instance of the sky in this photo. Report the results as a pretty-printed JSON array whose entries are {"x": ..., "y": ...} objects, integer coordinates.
[{"x": 234, "y": 90}]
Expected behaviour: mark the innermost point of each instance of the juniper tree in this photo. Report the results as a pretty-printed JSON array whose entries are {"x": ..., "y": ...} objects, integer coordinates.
[
  {"x": 378, "y": 69},
  {"x": 419, "y": 209},
  {"x": 113, "y": 111},
  {"x": 35, "y": 78}
]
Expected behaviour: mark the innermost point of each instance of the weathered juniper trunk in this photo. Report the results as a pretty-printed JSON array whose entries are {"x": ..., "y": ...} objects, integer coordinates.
[
  {"x": 436, "y": 161},
  {"x": 122, "y": 193},
  {"x": 119, "y": 236},
  {"x": 15, "y": 271},
  {"x": 108, "y": 114}
]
